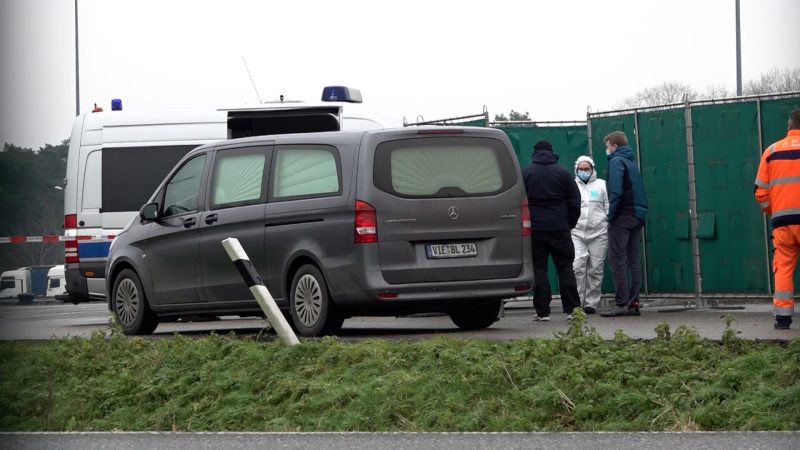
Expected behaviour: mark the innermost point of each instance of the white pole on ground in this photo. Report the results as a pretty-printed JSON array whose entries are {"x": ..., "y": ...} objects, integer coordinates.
[{"x": 260, "y": 292}]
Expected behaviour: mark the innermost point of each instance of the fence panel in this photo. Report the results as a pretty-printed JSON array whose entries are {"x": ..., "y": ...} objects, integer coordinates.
[
  {"x": 664, "y": 162},
  {"x": 601, "y": 126},
  {"x": 774, "y": 117},
  {"x": 730, "y": 228}
]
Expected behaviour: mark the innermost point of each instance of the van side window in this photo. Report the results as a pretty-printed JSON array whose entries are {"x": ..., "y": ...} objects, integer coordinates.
[
  {"x": 92, "y": 182},
  {"x": 306, "y": 171},
  {"x": 181, "y": 192},
  {"x": 238, "y": 177}
]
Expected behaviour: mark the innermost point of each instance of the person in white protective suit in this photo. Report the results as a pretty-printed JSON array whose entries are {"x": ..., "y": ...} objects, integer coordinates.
[{"x": 590, "y": 235}]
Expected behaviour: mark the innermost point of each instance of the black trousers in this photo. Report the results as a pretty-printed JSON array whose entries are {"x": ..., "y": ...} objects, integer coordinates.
[
  {"x": 624, "y": 235},
  {"x": 558, "y": 245}
]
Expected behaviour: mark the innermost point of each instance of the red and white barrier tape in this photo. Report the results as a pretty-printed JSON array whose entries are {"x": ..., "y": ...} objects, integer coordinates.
[{"x": 52, "y": 238}]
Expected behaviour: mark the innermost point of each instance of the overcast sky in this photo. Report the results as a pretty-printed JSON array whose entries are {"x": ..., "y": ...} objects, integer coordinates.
[{"x": 434, "y": 59}]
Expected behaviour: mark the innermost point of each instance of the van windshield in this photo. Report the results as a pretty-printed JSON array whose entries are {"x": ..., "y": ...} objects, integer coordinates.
[{"x": 444, "y": 167}]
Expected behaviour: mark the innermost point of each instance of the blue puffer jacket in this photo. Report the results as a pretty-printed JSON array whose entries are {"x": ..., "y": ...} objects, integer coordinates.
[{"x": 626, "y": 196}]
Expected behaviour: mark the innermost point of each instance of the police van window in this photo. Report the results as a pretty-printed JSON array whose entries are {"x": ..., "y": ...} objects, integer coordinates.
[
  {"x": 238, "y": 177},
  {"x": 132, "y": 174},
  {"x": 91, "y": 182},
  {"x": 306, "y": 171},
  {"x": 183, "y": 188}
]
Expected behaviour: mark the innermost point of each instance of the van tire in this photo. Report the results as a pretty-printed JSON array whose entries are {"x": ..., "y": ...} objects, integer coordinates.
[
  {"x": 313, "y": 312},
  {"x": 476, "y": 316},
  {"x": 130, "y": 306}
]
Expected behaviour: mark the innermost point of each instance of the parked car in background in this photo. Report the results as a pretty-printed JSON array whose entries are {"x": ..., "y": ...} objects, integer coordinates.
[{"x": 381, "y": 222}]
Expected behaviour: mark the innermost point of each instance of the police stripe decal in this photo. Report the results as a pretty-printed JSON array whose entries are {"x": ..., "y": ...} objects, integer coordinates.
[{"x": 248, "y": 272}]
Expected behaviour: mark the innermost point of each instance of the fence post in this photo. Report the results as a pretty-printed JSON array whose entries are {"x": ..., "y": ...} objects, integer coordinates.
[
  {"x": 764, "y": 216},
  {"x": 259, "y": 291},
  {"x": 698, "y": 278},
  {"x": 589, "y": 131},
  {"x": 639, "y": 161}
]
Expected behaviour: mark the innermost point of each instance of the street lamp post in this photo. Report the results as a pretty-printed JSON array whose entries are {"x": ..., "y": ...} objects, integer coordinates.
[
  {"x": 77, "y": 77},
  {"x": 738, "y": 53}
]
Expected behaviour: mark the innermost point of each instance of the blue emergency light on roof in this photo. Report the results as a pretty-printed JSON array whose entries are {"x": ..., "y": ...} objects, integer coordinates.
[
  {"x": 341, "y": 94},
  {"x": 116, "y": 104}
]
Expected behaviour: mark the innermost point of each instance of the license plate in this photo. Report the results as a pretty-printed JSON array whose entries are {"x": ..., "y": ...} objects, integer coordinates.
[{"x": 460, "y": 250}]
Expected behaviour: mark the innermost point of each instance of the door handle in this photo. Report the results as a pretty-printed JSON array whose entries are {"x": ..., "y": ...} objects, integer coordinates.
[
  {"x": 211, "y": 218},
  {"x": 189, "y": 222}
]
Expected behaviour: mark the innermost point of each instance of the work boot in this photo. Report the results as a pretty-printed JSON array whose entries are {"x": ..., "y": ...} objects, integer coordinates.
[
  {"x": 616, "y": 311},
  {"x": 633, "y": 308},
  {"x": 782, "y": 322}
]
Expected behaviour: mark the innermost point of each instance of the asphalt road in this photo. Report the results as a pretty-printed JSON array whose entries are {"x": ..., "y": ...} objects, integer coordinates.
[
  {"x": 47, "y": 320},
  {"x": 441, "y": 441}
]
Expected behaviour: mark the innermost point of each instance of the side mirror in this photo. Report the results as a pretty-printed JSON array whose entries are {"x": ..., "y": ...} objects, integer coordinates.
[{"x": 149, "y": 211}]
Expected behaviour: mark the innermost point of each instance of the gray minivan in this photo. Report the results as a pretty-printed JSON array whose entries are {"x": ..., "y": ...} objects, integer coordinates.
[{"x": 380, "y": 222}]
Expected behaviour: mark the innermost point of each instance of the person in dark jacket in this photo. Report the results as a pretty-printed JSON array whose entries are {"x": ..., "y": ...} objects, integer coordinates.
[
  {"x": 555, "y": 205},
  {"x": 627, "y": 210}
]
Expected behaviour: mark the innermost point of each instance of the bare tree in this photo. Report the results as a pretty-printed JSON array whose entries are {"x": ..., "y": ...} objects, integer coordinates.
[
  {"x": 662, "y": 94},
  {"x": 774, "y": 81}
]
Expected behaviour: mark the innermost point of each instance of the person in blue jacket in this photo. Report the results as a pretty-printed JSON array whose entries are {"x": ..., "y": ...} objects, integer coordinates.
[
  {"x": 555, "y": 206},
  {"x": 627, "y": 210}
]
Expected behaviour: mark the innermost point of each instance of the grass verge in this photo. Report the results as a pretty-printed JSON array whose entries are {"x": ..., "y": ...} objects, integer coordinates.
[{"x": 574, "y": 381}]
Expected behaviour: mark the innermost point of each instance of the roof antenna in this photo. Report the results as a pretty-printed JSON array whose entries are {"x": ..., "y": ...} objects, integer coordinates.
[{"x": 251, "y": 80}]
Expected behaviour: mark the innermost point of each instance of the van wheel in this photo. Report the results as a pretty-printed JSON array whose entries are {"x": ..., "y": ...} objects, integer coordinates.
[
  {"x": 130, "y": 305},
  {"x": 476, "y": 316},
  {"x": 313, "y": 312}
]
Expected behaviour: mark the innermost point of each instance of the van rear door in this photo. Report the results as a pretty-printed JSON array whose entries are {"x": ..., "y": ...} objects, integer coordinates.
[{"x": 448, "y": 208}]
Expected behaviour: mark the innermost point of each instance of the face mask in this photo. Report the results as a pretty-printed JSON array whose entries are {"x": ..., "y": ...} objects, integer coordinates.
[
  {"x": 608, "y": 152},
  {"x": 584, "y": 176}
]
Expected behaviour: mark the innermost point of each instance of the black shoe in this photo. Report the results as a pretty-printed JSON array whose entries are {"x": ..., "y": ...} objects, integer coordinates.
[
  {"x": 633, "y": 308},
  {"x": 782, "y": 322},
  {"x": 616, "y": 311},
  {"x": 589, "y": 310}
]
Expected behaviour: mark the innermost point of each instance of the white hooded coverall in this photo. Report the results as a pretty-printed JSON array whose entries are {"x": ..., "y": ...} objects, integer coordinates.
[{"x": 590, "y": 236}]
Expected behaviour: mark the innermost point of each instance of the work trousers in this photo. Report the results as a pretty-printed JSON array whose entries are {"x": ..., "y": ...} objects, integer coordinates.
[
  {"x": 590, "y": 255},
  {"x": 624, "y": 234},
  {"x": 558, "y": 245},
  {"x": 786, "y": 240}
]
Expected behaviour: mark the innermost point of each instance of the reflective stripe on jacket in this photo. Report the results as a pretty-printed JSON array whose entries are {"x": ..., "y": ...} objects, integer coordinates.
[{"x": 777, "y": 185}]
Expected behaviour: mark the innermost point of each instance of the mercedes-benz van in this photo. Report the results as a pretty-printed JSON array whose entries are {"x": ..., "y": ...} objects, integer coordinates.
[{"x": 382, "y": 222}]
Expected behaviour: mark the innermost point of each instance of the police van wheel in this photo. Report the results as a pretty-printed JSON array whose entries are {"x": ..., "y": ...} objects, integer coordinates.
[
  {"x": 130, "y": 305},
  {"x": 476, "y": 316},
  {"x": 313, "y": 312}
]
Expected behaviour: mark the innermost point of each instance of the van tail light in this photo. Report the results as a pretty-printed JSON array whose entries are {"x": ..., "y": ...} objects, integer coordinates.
[
  {"x": 71, "y": 245},
  {"x": 366, "y": 223},
  {"x": 525, "y": 213}
]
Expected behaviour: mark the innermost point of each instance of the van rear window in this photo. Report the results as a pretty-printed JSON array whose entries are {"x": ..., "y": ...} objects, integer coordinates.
[
  {"x": 444, "y": 167},
  {"x": 132, "y": 174}
]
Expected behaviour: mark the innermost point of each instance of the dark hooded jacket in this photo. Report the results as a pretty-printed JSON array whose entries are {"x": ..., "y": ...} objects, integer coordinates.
[
  {"x": 553, "y": 198},
  {"x": 626, "y": 195}
]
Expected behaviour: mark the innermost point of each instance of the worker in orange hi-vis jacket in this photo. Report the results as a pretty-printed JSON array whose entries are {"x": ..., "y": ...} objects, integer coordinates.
[{"x": 777, "y": 189}]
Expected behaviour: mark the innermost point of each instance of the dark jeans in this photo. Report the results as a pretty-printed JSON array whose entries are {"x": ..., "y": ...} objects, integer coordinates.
[
  {"x": 624, "y": 234},
  {"x": 558, "y": 245}
]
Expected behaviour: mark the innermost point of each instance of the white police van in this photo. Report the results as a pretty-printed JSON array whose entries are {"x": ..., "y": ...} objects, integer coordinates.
[{"x": 117, "y": 159}]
